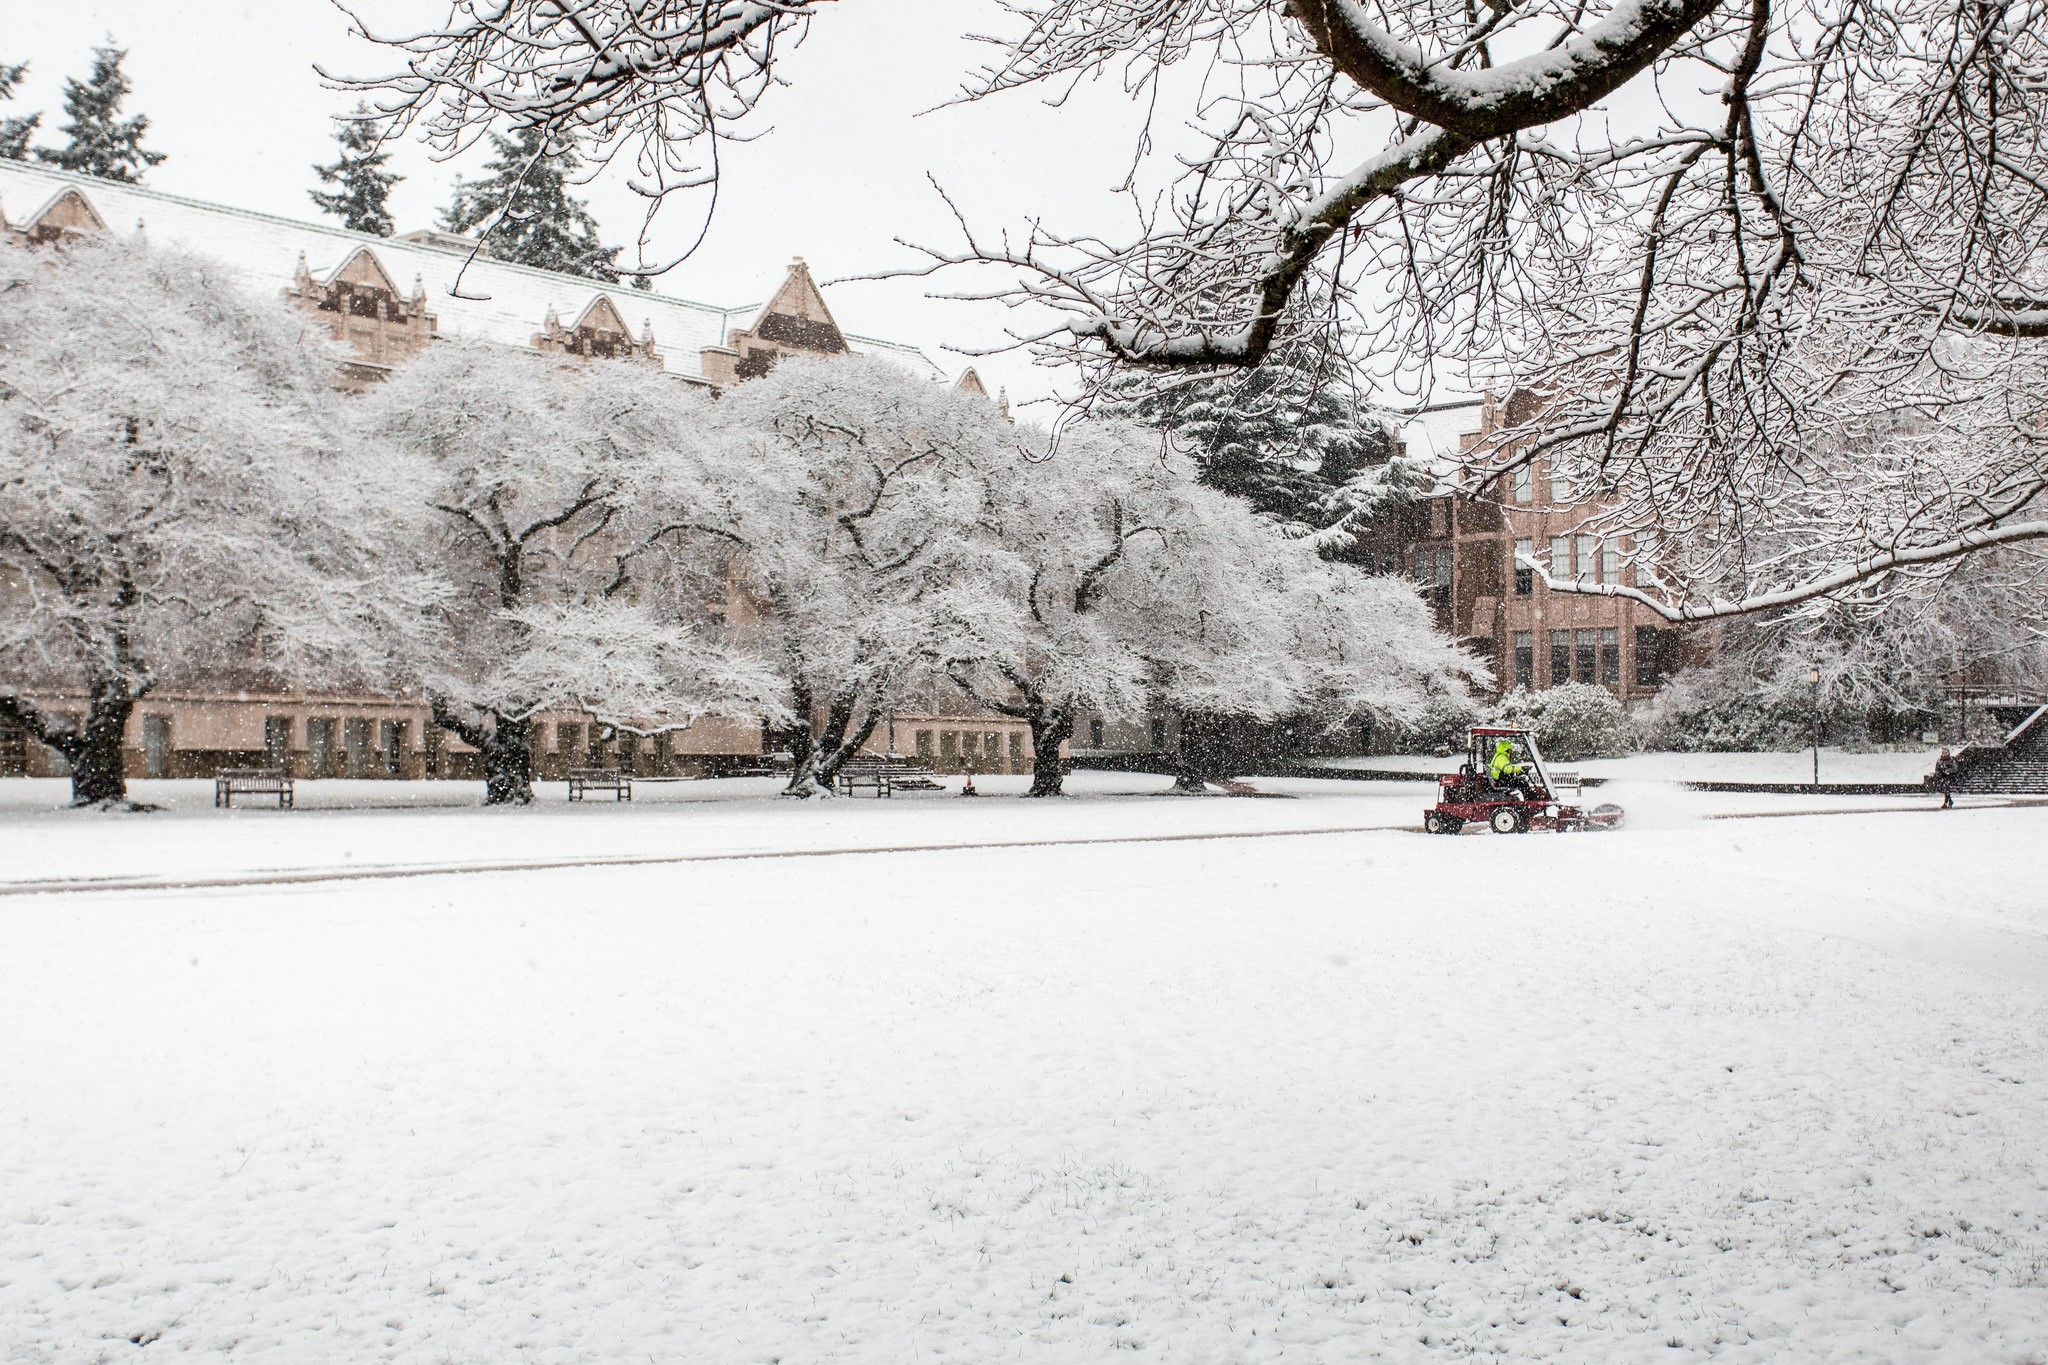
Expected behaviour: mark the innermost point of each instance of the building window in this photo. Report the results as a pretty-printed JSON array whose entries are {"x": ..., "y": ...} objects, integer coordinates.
[
  {"x": 1095, "y": 734},
  {"x": 320, "y": 746},
  {"x": 156, "y": 746},
  {"x": 1610, "y": 656},
  {"x": 1525, "y": 573},
  {"x": 1560, "y": 657},
  {"x": 277, "y": 740},
  {"x": 949, "y": 745},
  {"x": 1589, "y": 558},
  {"x": 1523, "y": 482},
  {"x": 1525, "y": 658},
  {"x": 1587, "y": 641},
  {"x": 924, "y": 745},
  {"x": 1656, "y": 653},
  {"x": 1560, "y": 556},
  {"x": 1560, "y": 493},
  {"x": 1442, "y": 595},
  {"x": 568, "y": 739},
  {"x": 391, "y": 745},
  {"x": 1418, "y": 563},
  {"x": 1016, "y": 744}
]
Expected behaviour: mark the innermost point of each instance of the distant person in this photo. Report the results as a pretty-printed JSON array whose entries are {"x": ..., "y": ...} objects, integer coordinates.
[{"x": 1945, "y": 770}]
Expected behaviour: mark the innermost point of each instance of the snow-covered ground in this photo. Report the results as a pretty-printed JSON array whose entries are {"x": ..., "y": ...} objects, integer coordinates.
[{"x": 1748, "y": 1089}]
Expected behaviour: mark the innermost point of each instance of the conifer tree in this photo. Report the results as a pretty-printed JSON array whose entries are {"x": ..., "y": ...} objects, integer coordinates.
[
  {"x": 361, "y": 184},
  {"x": 15, "y": 132},
  {"x": 1292, "y": 439},
  {"x": 101, "y": 142},
  {"x": 524, "y": 205}
]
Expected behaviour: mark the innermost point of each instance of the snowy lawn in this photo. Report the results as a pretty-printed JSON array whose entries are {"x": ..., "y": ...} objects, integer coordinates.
[{"x": 1755, "y": 1090}]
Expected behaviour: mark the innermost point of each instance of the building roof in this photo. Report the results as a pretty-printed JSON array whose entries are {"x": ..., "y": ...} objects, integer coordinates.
[{"x": 496, "y": 301}]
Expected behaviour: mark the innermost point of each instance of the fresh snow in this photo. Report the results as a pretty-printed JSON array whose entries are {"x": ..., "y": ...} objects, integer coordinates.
[{"x": 1752, "y": 1089}]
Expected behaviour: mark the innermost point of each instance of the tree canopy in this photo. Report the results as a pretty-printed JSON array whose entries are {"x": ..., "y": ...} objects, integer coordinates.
[{"x": 1772, "y": 271}]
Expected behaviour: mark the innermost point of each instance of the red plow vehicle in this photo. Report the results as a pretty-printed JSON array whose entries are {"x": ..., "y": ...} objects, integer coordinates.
[{"x": 1505, "y": 785}]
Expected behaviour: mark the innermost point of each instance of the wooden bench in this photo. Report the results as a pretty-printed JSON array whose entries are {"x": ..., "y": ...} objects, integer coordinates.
[
  {"x": 585, "y": 780},
  {"x": 886, "y": 775},
  {"x": 230, "y": 783}
]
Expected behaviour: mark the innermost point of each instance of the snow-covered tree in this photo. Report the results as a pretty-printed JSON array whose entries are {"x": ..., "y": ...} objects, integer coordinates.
[
  {"x": 176, "y": 496},
  {"x": 1083, "y": 527},
  {"x": 862, "y": 543},
  {"x": 1140, "y": 587},
  {"x": 16, "y": 131},
  {"x": 98, "y": 140},
  {"x": 360, "y": 184},
  {"x": 1726, "y": 245},
  {"x": 1261, "y": 629},
  {"x": 538, "y": 473},
  {"x": 524, "y": 212}
]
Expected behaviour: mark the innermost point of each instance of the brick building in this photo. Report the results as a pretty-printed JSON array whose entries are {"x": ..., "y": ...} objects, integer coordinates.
[
  {"x": 1472, "y": 551},
  {"x": 388, "y": 299}
]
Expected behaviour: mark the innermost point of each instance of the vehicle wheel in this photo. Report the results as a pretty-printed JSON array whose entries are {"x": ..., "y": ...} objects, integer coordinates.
[
  {"x": 1507, "y": 820},
  {"x": 1432, "y": 822}
]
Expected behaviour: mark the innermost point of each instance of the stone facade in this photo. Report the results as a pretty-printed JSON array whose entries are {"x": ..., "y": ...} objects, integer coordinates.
[{"x": 350, "y": 281}]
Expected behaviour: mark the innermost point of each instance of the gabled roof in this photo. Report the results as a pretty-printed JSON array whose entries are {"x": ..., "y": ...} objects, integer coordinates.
[
  {"x": 601, "y": 315},
  {"x": 66, "y": 203},
  {"x": 497, "y": 301}
]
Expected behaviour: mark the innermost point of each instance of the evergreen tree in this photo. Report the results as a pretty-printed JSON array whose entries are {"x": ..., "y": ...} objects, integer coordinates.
[
  {"x": 1291, "y": 438},
  {"x": 102, "y": 143},
  {"x": 361, "y": 184},
  {"x": 15, "y": 132},
  {"x": 525, "y": 206}
]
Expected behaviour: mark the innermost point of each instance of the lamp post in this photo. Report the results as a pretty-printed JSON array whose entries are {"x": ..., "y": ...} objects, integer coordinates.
[{"x": 1813, "y": 677}]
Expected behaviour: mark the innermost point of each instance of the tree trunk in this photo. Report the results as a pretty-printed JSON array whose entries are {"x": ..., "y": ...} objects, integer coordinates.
[
  {"x": 508, "y": 763},
  {"x": 1201, "y": 758},
  {"x": 804, "y": 746},
  {"x": 816, "y": 756},
  {"x": 1050, "y": 728},
  {"x": 98, "y": 775}
]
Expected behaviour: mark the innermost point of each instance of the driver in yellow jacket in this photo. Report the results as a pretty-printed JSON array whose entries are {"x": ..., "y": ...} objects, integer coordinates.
[{"x": 1503, "y": 771}]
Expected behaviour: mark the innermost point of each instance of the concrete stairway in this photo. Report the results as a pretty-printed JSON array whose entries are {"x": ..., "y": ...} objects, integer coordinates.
[{"x": 2005, "y": 773}]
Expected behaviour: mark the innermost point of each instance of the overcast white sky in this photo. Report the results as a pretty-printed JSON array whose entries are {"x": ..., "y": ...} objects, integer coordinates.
[{"x": 231, "y": 95}]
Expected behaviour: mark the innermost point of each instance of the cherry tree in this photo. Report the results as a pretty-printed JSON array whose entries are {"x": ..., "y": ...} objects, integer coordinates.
[
  {"x": 1773, "y": 271},
  {"x": 537, "y": 474},
  {"x": 1141, "y": 588},
  {"x": 177, "y": 497},
  {"x": 862, "y": 542}
]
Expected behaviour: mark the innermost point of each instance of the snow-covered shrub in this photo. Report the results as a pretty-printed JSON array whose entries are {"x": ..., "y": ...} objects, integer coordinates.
[
  {"x": 1571, "y": 721},
  {"x": 1441, "y": 724},
  {"x": 1725, "y": 708}
]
